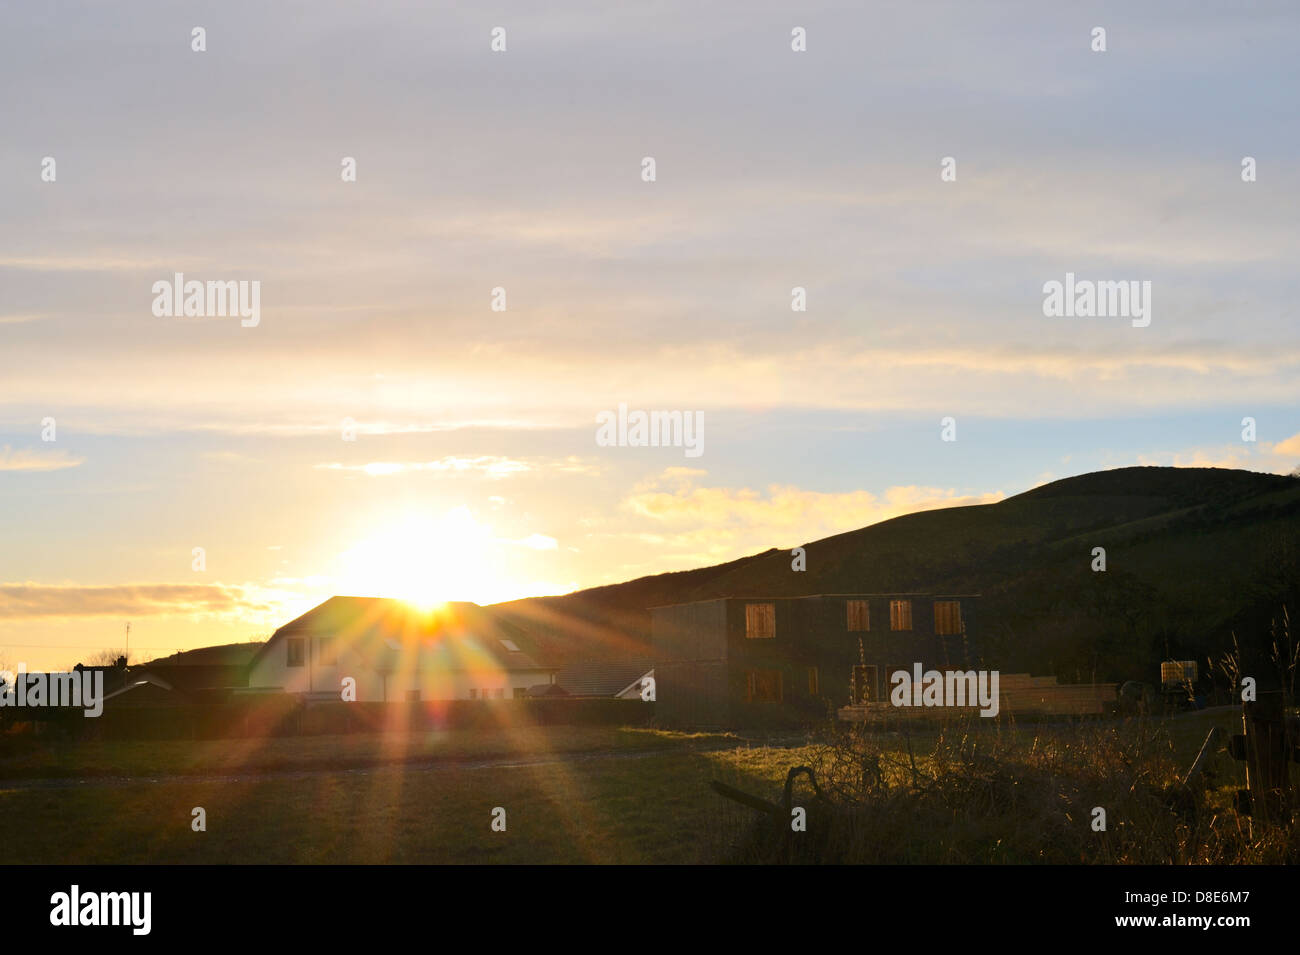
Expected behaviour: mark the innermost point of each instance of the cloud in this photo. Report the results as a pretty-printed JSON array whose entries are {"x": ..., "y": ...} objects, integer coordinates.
[
  {"x": 1070, "y": 370},
  {"x": 537, "y": 542},
  {"x": 27, "y": 600},
  {"x": 1290, "y": 447},
  {"x": 25, "y": 460},
  {"x": 83, "y": 263},
  {"x": 602, "y": 281},
  {"x": 491, "y": 465},
  {"x": 1278, "y": 458},
  {"x": 719, "y": 523}
]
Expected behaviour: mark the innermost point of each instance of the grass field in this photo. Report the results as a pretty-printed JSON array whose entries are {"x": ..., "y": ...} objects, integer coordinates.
[
  {"x": 56, "y": 758},
  {"x": 587, "y": 795},
  {"x": 977, "y": 794}
]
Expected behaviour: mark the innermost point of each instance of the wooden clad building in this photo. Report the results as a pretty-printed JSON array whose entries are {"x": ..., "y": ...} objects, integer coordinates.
[{"x": 763, "y": 661}]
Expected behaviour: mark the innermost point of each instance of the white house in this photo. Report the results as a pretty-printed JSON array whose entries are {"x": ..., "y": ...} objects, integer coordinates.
[{"x": 394, "y": 652}]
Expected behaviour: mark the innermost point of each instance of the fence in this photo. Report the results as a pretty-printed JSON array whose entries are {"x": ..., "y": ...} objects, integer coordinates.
[{"x": 1270, "y": 741}]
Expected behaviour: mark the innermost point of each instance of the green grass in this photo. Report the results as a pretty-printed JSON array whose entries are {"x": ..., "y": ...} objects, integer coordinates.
[
  {"x": 621, "y": 809},
  {"x": 981, "y": 792},
  {"x": 51, "y": 758}
]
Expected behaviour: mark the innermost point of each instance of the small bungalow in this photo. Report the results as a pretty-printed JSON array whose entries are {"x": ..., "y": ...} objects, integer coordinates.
[
  {"x": 395, "y": 651},
  {"x": 205, "y": 672}
]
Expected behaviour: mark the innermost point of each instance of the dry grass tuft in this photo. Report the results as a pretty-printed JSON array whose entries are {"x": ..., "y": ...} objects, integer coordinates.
[{"x": 975, "y": 796}]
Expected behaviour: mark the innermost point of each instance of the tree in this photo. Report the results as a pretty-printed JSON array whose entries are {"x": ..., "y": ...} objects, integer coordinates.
[{"x": 105, "y": 658}]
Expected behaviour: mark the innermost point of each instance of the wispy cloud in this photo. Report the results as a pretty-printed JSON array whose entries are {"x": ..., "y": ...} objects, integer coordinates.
[
  {"x": 491, "y": 466},
  {"x": 719, "y": 523},
  {"x": 19, "y": 600},
  {"x": 28, "y": 460},
  {"x": 1290, "y": 447},
  {"x": 1279, "y": 457}
]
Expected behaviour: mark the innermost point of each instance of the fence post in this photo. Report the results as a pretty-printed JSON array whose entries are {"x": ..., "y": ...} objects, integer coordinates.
[{"x": 1267, "y": 749}]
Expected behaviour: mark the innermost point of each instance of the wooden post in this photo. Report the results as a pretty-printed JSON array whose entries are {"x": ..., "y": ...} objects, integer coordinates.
[{"x": 1268, "y": 756}]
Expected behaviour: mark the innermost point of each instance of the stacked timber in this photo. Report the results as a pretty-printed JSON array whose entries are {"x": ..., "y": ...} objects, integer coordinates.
[
  {"x": 1022, "y": 693},
  {"x": 1018, "y": 693}
]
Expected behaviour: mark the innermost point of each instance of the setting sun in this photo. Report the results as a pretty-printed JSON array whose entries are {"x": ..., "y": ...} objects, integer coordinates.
[{"x": 425, "y": 560}]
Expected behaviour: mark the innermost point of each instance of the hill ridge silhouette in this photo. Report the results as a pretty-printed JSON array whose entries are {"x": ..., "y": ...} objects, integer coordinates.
[{"x": 1192, "y": 555}]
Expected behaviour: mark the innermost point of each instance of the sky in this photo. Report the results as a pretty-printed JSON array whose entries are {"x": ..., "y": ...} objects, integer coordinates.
[{"x": 383, "y": 430}]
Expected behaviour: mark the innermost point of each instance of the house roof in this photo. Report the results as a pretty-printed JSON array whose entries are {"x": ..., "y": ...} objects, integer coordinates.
[
  {"x": 638, "y": 683},
  {"x": 227, "y": 654},
  {"x": 393, "y": 635},
  {"x": 600, "y": 678},
  {"x": 136, "y": 682}
]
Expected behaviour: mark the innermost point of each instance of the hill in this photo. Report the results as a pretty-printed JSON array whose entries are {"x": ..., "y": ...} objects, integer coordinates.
[{"x": 1193, "y": 554}]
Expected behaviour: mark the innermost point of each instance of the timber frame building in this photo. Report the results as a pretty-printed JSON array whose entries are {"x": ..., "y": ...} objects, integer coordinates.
[{"x": 758, "y": 661}]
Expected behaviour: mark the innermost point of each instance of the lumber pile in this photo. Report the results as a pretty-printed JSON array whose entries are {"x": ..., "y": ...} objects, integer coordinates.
[
  {"x": 1022, "y": 693},
  {"x": 1018, "y": 693}
]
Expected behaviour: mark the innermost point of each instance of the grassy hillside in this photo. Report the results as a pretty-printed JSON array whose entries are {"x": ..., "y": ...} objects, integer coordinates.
[{"x": 1193, "y": 554}]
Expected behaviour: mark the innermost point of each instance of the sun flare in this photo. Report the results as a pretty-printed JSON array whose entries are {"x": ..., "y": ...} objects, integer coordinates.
[{"x": 424, "y": 560}]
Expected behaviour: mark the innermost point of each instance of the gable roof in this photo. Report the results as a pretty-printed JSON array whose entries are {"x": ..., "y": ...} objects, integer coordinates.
[
  {"x": 392, "y": 634},
  {"x": 637, "y": 684},
  {"x": 138, "y": 681},
  {"x": 600, "y": 678},
  {"x": 227, "y": 654}
]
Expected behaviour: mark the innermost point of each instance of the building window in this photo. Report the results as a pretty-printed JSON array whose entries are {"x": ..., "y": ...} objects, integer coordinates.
[
  {"x": 294, "y": 648},
  {"x": 764, "y": 686},
  {"x": 813, "y": 687},
  {"x": 947, "y": 617},
  {"x": 323, "y": 651},
  {"x": 499, "y": 693},
  {"x": 760, "y": 621},
  {"x": 473, "y": 694},
  {"x": 859, "y": 615},
  {"x": 521, "y": 692},
  {"x": 412, "y": 696},
  {"x": 900, "y": 615}
]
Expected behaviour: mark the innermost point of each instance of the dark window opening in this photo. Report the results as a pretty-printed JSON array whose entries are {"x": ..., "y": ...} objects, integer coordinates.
[
  {"x": 760, "y": 621},
  {"x": 900, "y": 615},
  {"x": 947, "y": 617},
  {"x": 764, "y": 686},
  {"x": 859, "y": 612}
]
